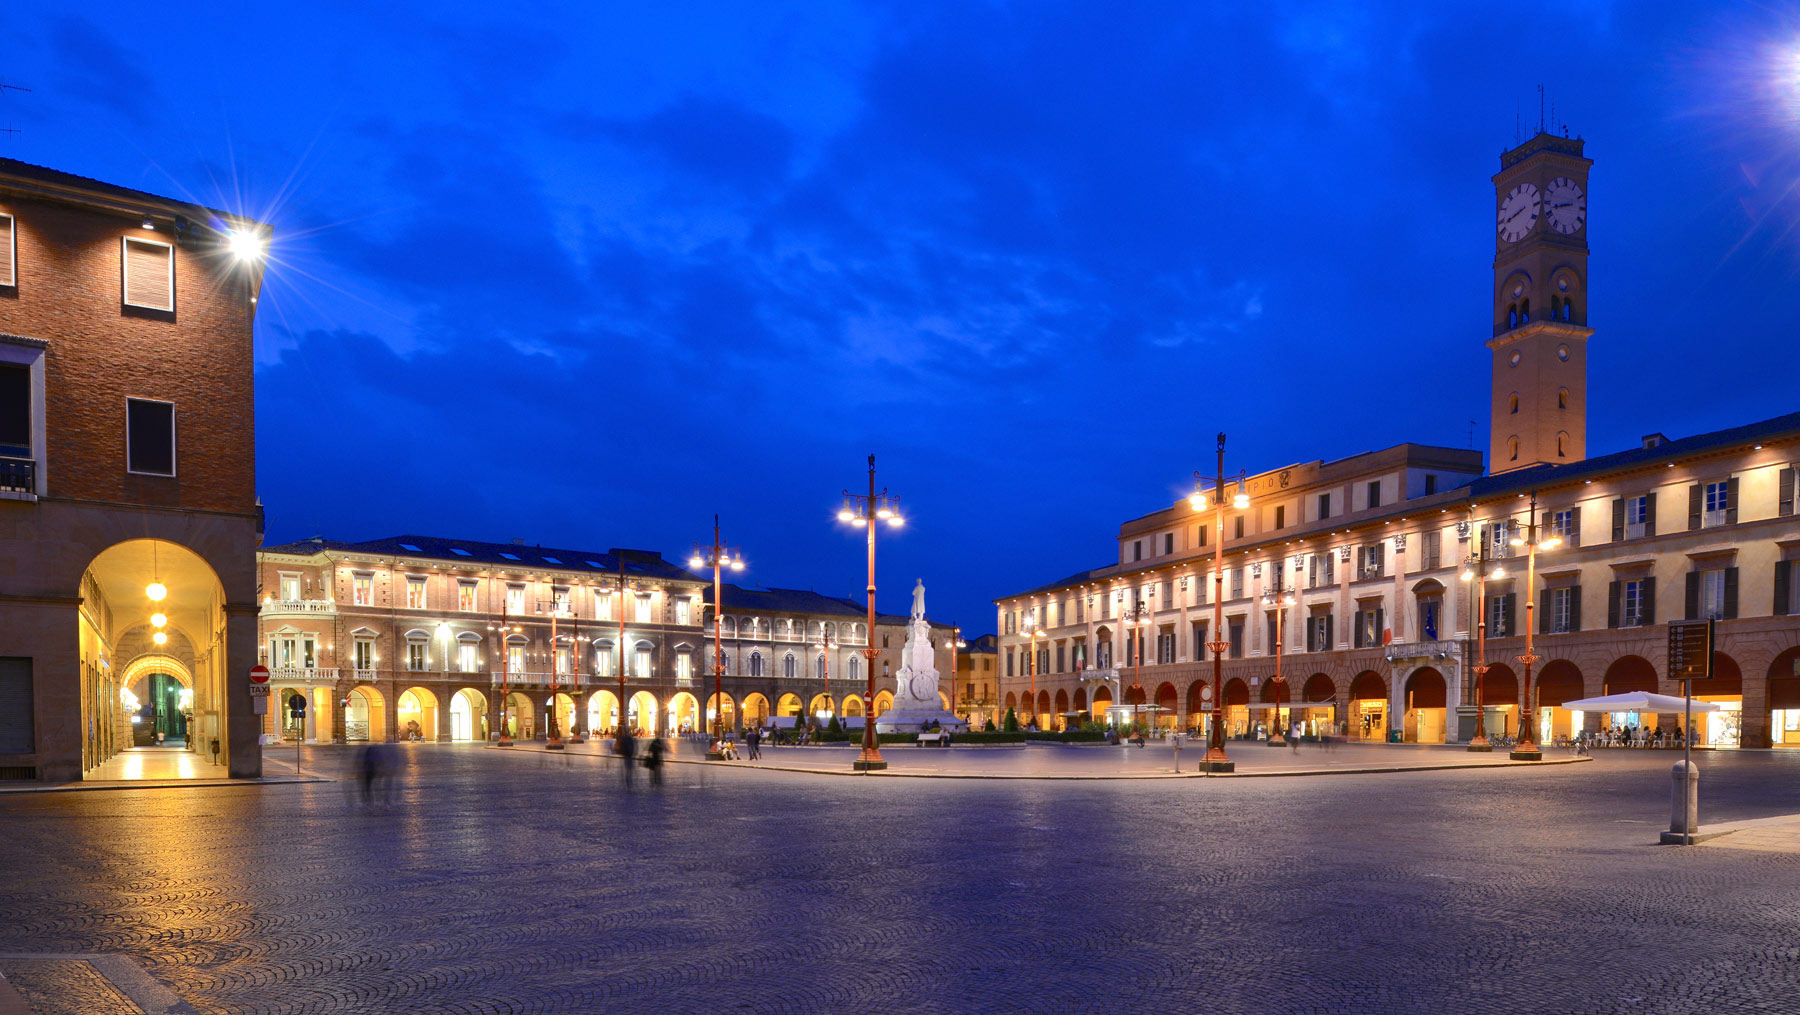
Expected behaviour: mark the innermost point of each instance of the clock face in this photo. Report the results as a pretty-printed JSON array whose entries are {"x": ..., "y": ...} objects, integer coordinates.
[
  {"x": 1519, "y": 212},
  {"x": 1565, "y": 205}
]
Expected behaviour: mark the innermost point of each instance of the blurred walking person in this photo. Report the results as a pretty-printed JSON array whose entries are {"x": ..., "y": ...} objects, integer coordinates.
[
  {"x": 653, "y": 760},
  {"x": 626, "y": 745}
]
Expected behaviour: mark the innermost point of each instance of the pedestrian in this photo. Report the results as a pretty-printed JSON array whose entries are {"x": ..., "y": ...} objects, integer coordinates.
[
  {"x": 653, "y": 760},
  {"x": 1294, "y": 737},
  {"x": 753, "y": 742},
  {"x": 627, "y": 748}
]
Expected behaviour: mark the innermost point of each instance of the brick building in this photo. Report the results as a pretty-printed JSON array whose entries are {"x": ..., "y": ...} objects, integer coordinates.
[
  {"x": 1339, "y": 599},
  {"x": 128, "y": 512}
]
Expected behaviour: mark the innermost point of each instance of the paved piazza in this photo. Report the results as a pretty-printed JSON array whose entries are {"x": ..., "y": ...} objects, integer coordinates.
[{"x": 534, "y": 883}]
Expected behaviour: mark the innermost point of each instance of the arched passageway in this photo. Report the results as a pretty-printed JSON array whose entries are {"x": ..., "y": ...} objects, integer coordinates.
[
  {"x": 416, "y": 713},
  {"x": 468, "y": 715}
]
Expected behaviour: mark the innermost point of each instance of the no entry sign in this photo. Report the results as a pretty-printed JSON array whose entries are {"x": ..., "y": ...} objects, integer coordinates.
[{"x": 259, "y": 674}]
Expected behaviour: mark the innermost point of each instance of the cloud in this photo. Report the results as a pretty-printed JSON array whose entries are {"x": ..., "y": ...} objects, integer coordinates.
[{"x": 91, "y": 66}]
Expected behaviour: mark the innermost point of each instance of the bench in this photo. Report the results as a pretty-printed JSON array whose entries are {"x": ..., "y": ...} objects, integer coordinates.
[{"x": 939, "y": 738}]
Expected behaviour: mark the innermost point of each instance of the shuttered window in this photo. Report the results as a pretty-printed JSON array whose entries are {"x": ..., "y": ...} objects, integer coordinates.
[
  {"x": 9, "y": 253},
  {"x": 149, "y": 274},
  {"x": 15, "y": 411},
  {"x": 149, "y": 437}
]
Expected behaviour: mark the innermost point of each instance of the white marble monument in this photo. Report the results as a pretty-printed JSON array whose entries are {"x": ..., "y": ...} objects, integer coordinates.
[{"x": 916, "y": 701}]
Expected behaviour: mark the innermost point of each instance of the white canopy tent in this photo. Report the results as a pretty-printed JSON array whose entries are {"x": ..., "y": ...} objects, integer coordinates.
[{"x": 1637, "y": 701}]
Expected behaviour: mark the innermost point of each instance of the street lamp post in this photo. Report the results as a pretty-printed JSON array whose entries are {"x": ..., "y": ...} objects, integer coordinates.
[
  {"x": 717, "y": 556},
  {"x": 578, "y": 731},
  {"x": 1216, "y": 759},
  {"x": 1526, "y": 749},
  {"x": 1477, "y": 569},
  {"x": 621, "y": 651},
  {"x": 865, "y": 511},
  {"x": 1035, "y": 632},
  {"x": 1281, "y": 600},
  {"x": 554, "y": 742},
  {"x": 956, "y": 647},
  {"x": 505, "y": 630},
  {"x": 1134, "y": 620}
]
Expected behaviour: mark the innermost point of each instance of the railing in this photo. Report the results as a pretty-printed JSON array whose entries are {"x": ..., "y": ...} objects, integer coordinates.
[
  {"x": 299, "y": 606},
  {"x": 303, "y": 674},
  {"x": 18, "y": 475}
]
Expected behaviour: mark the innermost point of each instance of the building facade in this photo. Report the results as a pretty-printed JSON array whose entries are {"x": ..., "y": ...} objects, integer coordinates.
[
  {"x": 416, "y": 637},
  {"x": 978, "y": 682},
  {"x": 128, "y": 513},
  {"x": 1339, "y": 599}
]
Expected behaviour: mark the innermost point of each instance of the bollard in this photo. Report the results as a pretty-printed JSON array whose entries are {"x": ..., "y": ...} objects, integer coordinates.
[
  {"x": 1684, "y": 803},
  {"x": 1176, "y": 739}
]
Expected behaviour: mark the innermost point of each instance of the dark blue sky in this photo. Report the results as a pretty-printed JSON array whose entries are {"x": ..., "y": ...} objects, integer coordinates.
[{"x": 588, "y": 277}]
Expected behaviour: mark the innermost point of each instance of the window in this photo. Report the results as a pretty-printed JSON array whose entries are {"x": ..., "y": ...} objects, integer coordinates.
[
  {"x": 149, "y": 437},
  {"x": 290, "y": 587},
  {"x": 1165, "y": 647},
  {"x": 1374, "y": 493},
  {"x": 1080, "y": 611},
  {"x": 684, "y": 666},
  {"x": 559, "y": 600},
  {"x": 15, "y": 410},
  {"x": 1562, "y": 394},
  {"x": 1060, "y": 658},
  {"x": 1271, "y": 636},
  {"x": 1237, "y": 583},
  {"x": 1499, "y": 537},
  {"x": 415, "y": 592},
  {"x": 1562, "y": 613},
  {"x": 683, "y": 610},
  {"x": 1512, "y": 449},
  {"x": 643, "y": 610},
  {"x": 515, "y": 659},
  {"x": 1137, "y": 550},
  {"x": 1009, "y": 664},
  {"x": 415, "y": 654},
  {"x": 854, "y": 668},
  {"x": 603, "y": 604},
  {"x": 1712, "y": 594},
  {"x": 465, "y": 596},
  {"x": 1430, "y": 548},
  {"x": 1371, "y": 623},
  {"x": 1237, "y": 527},
  {"x": 1566, "y": 525},
  {"x": 790, "y": 667},
  {"x": 460, "y": 552},
  {"x": 1371, "y": 560},
  {"x": 1634, "y": 602},
  {"x": 362, "y": 654},
  {"x": 1431, "y": 609},
  {"x": 1103, "y": 653},
  {"x": 1168, "y": 542},
  {"x": 1512, "y": 404},
  {"x": 1280, "y": 516},
  {"x": 465, "y": 657},
  {"x": 1200, "y": 643},
  {"x": 603, "y": 660},
  {"x": 362, "y": 589},
  {"x": 1324, "y": 506},
  {"x": 515, "y": 600},
  {"x": 562, "y": 659},
  {"x": 9, "y": 256},
  {"x": 1500, "y": 615},
  {"x": 1430, "y": 484},
  {"x": 1717, "y": 501},
  {"x": 1237, "y": 639},
  {"x": 642, "y": 669},
  {"x": 1318, "y": 632},
  {"x": 148, "y": 274},
  {"x": 756, "y": 664}
]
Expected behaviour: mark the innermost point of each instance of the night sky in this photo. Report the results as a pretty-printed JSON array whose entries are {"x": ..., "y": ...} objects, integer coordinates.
[{"x": 586, "y": 276}]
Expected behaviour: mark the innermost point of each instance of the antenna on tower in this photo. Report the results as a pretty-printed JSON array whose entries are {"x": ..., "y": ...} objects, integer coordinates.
[
  {"x": 4, "y": 88},
  {"x": 1471, "y": 434},
  {"x": 1540, "y": 109}
]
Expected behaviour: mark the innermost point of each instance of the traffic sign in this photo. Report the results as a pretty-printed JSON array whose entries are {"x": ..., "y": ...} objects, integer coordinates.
[
  {"x": 1690, "y": 649},
  {"x": 1205, "y": 693},
  {"x": 259, "y": 674},
  {"x": 297, "y": 705},
  {"x": 259, "y": 690}
]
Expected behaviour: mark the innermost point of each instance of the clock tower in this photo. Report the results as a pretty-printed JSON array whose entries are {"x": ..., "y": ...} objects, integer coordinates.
[{"x": 1540, "y": 306}]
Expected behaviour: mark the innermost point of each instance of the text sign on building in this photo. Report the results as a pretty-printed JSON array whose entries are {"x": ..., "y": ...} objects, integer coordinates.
[
  {"x": 259, "y": 690},
  {"x": 1690, "y": 649}
]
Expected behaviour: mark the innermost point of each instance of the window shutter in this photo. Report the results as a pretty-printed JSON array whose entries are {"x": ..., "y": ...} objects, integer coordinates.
[
  {"x": 1783, "y": 595},
  {"x": 1362, "y": 562},
  {"x": 1731, "y": 501},
  {"x": 1649, "y": 601},
  {"x": 1574, "y": 608},
  {"x": 1330, "y": 635},
  {"x": 1612, "y": 604},
  {"x": 9, "y": 272},
  {"x": 1731, "y": 590},
  {"x": 1506, "y": 615},
  {"x": 149, "y": 274},
  {"x": 1543, "y": 612},
  {"x": 1380, "y": 624},
  {"x": 1650, "y": 513},
  {"x": 1618, "y": 518},
  {"x": 1575, "y": 527},
  {"x": 1356, "y": 631},
  {"x": 1693, "y": 507},
  {"x": 1786, "y": 506},
  {"x": 1693, "y": 595}
]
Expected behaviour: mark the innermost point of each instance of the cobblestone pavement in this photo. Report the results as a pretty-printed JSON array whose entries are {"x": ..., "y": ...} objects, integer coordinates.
[{"x": 506, "y": 884}]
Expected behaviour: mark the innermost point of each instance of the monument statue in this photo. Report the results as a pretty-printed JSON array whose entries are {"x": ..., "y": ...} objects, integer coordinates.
[{"x": 916, "y": 701}]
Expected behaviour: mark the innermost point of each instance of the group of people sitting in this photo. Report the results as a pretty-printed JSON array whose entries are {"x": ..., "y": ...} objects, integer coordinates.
[{"x": 1631, "y": 736}]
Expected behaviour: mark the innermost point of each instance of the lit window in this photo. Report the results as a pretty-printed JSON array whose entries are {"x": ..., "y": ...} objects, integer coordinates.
[
  {"x": 684, "y": 666},
  {"x": 682, "y": 611},
  {"x": 465, "y": 658},
  {"x": 415, "y": 593},
  {"x": 643, "y": 609},
  {"x": 465, "y": 597},
  {"x": 515, "y": 600},
  {"x": 603, "y": 604},
  {"x": 642, "y": 669},
  {"x": 362, "y": 590}
]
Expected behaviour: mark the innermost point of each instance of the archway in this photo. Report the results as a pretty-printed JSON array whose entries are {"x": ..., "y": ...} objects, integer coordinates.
[
  {"x": 821, "y": 708},
  {"x": 1784, "y": 699},
  {"x": 1196, "y": 702},
  {"x": 148, "y": 608},
  {"x": 1043, "y": 710},
  {"x": 853, "y": 706},
  {"x": 1368, "y": 706},
  {"x": 292, "y": 708},
  {"x": 683, "y": 715},
  {"x": 559, "y": 713},
  {"x": 1630, "y": 673},
  {"x": 720, "y": 706},
  {"x": 517, "y": 721},
  {"x": 1237, "y": 707},
  {"x": 1559, "y": 681},
  {"x": 1423, "y": 721},
  {"x": 788, "y": 706},
  {"x": 365, "y": 716},
  {"x": 416, "y": 715},
  {"x": 756, "y": 709},
  {"x": 1103, "y": 700},
  {"x": 1012, "y": 701},
  {"x": 603, "y": 713},
  {"x": 640, "y": 713},
  {"x": 468, "y": 715},
  {"x": 1168, "y": 704},
  {"x": 1724, "y": 728},
  {"x": 1500, "y": 700},
  {"x": 884, "y": 700},
  {"x": 1080, "y": 703},
  {"x": 1318, "y": 713}
]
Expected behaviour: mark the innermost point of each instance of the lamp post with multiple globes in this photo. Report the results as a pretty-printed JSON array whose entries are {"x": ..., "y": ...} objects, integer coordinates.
[
  {"x": 1280, "y": 599},
  {"x": 718, "y": 556},
  {"x": 1134, "y": 619},
  {"x": 864, "y": 511},
  {"x": 1216, "y": 759},
  {"x": 1526, "y": 749},
  {"x": 1035, "y": 631},
  {"x": 1478, "y": 568}
]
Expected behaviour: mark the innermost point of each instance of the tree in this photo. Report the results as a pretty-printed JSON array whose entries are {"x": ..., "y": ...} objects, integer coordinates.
[{"x": 1011, "y": 725}]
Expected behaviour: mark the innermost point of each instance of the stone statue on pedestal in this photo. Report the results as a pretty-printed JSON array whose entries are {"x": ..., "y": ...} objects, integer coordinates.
[{"x": 916, "y": 701}]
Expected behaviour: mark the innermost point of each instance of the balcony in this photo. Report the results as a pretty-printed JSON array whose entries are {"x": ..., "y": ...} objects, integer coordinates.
[
  {"x": 18, "y": 479},
  {"x": 303, "y": 607},
  {"x": 303, "y": 675}
]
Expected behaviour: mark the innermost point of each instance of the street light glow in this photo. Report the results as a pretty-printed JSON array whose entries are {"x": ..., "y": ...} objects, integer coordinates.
[
  {"x": 245, "y": 245},
  {"x": 157, "y": 591},
  {"x": 158, "y": 619}
]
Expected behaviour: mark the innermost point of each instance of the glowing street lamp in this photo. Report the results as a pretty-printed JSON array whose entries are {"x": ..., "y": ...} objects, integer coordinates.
[
  {"x": 863, "y": 511},
  {"x": 718, "y": 556},
  {"x": 1478, "y": 569},
  {"x": 1281, "y": 600},
  {"x": 1216, "y": 759},
  {"x": 1526, "y": 749}
]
